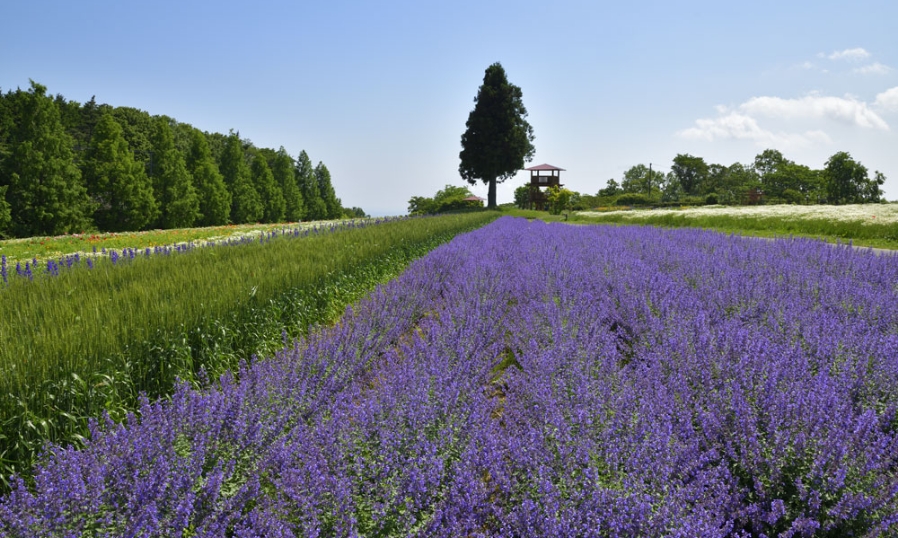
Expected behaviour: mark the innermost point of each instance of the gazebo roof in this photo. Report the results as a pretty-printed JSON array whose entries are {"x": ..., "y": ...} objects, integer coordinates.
[
  {"x": 544, "y": 166},
  {"x": 472, "y": 199}
]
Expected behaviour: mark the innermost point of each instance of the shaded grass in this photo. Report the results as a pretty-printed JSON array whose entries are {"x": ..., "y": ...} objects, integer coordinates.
[{"x": 89, "y": 341}]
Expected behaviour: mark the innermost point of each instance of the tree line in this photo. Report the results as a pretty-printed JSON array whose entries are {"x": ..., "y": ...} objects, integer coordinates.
[
  {"x": 67, "y": 167},
  {"x": 771, "y": 178}
]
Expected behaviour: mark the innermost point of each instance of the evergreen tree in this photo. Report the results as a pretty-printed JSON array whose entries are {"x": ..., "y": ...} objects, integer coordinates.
[
  {"x": 282, "y": 167},
  {"x": 246, "y": 204},
  {"x": 138, "y": 128},
  {"x": 308, "y": 185},
  {"x": 326, "y": 191},
  {"x": 46, "y": 193},
  {"x": 269, "y": 191},
  {"x": 121, "y": 193},
  {"x": 172, "y": 183},
  {"x": 497, "y": 139},
  {"x": 214, "y": 198},
  {"x": 5, "y": 213}
]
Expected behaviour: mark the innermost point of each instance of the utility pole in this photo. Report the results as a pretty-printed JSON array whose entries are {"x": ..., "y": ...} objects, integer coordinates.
[{"x": 648, "y": 183}]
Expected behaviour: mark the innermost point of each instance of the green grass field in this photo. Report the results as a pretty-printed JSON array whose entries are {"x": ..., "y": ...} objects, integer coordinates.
[{"x": 91, "y": 340}]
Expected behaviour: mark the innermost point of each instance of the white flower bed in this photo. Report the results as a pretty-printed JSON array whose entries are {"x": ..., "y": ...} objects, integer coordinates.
[{"x": 864, "y": 213}]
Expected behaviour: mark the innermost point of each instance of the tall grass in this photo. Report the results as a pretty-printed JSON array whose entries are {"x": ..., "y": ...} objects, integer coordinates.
[
  {"x": 883, "y": 235},
  {"x": 91, "y": 340}
]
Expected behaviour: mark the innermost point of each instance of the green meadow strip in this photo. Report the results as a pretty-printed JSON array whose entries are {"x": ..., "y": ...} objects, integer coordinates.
[
  {"x": 883, "y": 235},
  {"x": 92, "y": 340}
]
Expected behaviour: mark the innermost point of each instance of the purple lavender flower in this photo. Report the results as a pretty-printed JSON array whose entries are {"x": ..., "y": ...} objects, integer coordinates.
[{"x": 526, "y": 380}]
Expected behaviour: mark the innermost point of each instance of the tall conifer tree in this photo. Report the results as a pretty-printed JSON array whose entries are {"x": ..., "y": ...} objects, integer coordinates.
[
  {"x": 215, "y": 200},
  {"x": 5, "y": 213},
  {"x": 326, "y": 190},
  {"x": 172, "y": 183},
  {"x": 46, "y": 192},
  {"x": 246, "y": 204},
  {"x": 282, "y": 167},
  {"x": 308, "y": 185},
  {"x": 120, "y": 191},
  {"x": 497, "y": 139},
  {"x": 269, "y": 191}
]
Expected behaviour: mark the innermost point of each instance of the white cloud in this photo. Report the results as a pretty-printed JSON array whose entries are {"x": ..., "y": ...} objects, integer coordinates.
[
  {"x": 875, "y": 68},
  {"x": 854, "y": 54},
  {"x": 844, "y": 109},
  {"x": 735, "y": 125},
  {"x": 888, "y": 100}
]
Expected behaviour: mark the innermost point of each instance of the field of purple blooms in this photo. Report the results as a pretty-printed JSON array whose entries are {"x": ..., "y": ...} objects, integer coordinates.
[{"x": 531, "y": 379}]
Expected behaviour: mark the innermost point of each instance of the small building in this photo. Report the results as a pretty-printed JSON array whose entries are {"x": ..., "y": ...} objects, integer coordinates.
[{"x": 543, "y": 176}]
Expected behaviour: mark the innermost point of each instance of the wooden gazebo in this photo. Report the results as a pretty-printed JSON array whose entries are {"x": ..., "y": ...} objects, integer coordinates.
[{"x": 542, "y": 176}]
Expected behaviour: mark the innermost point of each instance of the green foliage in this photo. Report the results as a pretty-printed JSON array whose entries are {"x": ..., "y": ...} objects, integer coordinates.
[
  {"x": 315, "y": 208},
  {"x": 46, "y": 192},
  {"x": 137, "y": 128},
  {"x": 611, "y": 188},
  {"x": 522, "y": 196},
  {"x": 282, "y": 166},
  {"x": 449, "y": 198},
  {"x": 246, "y": 204},
  {"x": 421, "y": 205},
  {"x": 690, "y": 172},
  {"x": 172, "y": 184},
  {"x": 193, "y": 180},
  {"x": 632, "y": 199},
  {"x": 5, "y": 213},
  {"x": 847, "y": 181},
  {"x": 66, "y": 357},
  {"x": 354, "y": 213},
  {"x": 778, "y": 175},
  {"x": 120, "y": 191},
  {"x": 497, "y": 139},
  {"x": 559, "y": 199},
  {"x": 214, "y": 197},
  {"x": 334, "y": 210},
  {"x": 274, "y": 206},
  {"x": 639, "y": 179}
]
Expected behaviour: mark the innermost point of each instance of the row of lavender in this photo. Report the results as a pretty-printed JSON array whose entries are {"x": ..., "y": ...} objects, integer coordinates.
[
  {"x": 51, "y": 267},
  {"x": 532, "y": 379}
]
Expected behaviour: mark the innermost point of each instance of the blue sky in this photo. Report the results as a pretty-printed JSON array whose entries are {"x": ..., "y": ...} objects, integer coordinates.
[{"x": 381, "y": 91}]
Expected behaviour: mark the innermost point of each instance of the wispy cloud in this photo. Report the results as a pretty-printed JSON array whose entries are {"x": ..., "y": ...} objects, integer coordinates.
[
  {"x": 735, "y": 125},
  {"x": 742, "y": 122},
  {"x": 855, "y": 54},
  {"x": 842, "y": 109},
  {"x": 888, "y": 100},
  {"x": 875, "y": 68}
]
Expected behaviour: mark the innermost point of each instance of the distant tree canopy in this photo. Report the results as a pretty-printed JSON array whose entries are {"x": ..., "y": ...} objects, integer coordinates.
[
  {"x": 67, "y": 167},
  {"x": 449, "y": 198},
  {"x": 770, "y": 179},
  {"x": 497, "y": 139}
]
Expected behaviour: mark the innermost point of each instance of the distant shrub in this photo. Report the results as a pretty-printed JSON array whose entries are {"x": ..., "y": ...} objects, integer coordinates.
[
  {"x": 792, "y": 196},
  {"x": 711, "y": 199},
  {"x": 632, "y": 198}
]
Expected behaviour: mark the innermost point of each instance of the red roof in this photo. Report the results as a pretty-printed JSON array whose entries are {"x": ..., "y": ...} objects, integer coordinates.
[
  {"x": 472, "y": 199},
  {"x": 545, "y": 167}
]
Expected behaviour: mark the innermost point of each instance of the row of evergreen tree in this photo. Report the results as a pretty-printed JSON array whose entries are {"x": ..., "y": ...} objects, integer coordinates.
[{"x": 67, "y": 167}]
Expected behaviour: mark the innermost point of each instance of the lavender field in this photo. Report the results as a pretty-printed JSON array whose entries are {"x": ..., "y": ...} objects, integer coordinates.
[{"x": 532, "y": 380}]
